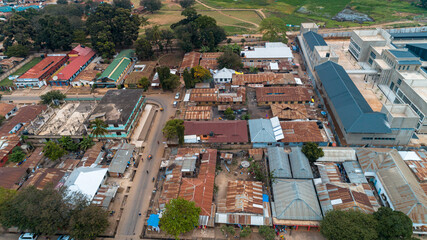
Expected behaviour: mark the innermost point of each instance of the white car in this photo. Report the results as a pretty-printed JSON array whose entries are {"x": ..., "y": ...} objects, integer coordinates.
[
  {"x": 28, "y": 236},
  {"x": 65, "y": 237},
  {"x": 177, "y": 96}
]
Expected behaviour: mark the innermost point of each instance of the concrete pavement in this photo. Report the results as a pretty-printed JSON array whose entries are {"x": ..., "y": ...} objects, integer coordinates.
[{"x": 131, "y": 224}]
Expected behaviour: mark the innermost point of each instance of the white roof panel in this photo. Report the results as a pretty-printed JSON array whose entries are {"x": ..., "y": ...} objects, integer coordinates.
[{"x": 409, "y": 155}]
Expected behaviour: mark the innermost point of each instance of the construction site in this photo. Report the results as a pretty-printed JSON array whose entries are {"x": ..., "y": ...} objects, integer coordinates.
[{"x": 64, "y": 121}]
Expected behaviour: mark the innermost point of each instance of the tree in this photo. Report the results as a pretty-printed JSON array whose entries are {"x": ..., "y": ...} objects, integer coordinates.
[
  {"x": 174, "y": 128},
  {"x": 88, "y": 223},
  {"x": 99, "y": 128},
  {"x": 231, "y": 47},
  {"x": 350, "y": 224},
  {"x": 200, "y": 74},
  {"x": 68, "y": 144},
  {"x": 18, "y": 50},
  {"x": 38, "y": 211},
  {"x": 273, "y": 30},
  {"x": 2, "y": 119},
  {"x": 86, "y": 143},
  {"x": 246, "y": 231},
  {"x": 164, "y": 73},
  {"x": 53, "y": 151},
  {"x": 145, "y": 83},
  {"x": 229, "y": 40},
  {"x": 111, "y": 27},
  {"x": 154, "y": 35},
  {"x": 143, "y": 49},
  {"x": 246, "y": 116},
  {"x": 393, "y": 224},
  {"x": 229, "y": 114},
  {"x": 167, "y": 35},
  {"x": 228, "y": 229},
  {"x": 19, "y": 29},
  {"x": 267, "y": 233},
  {"x": 171, "y": 83},
  {"x": 253, "y": 70},
  {"x": 54, "y": 32},
  {"x": 79, "y": 36},
  {"x": 188, "y": 79},
  {"x": 151, "y": 5},
  {"x": 186, "y": 3},
  {"x": 48, "y": 97},
  {"x": 17, "y": 155},
  {"x": 243, "y": 41},
  {"x": 180, "y": 216},
  {"x": 126, "y": 4},
  {"x": 230, "y": 60},
  {"x": 312, "y": 151},
  {"x": 423, "y": 3},
  {"x": 61, "y": 2},
  {"x": 6, "y": 195}
]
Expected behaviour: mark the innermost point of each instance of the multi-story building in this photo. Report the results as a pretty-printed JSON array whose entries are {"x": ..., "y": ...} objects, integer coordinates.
[
  {"x": 272, "y": 52},
  {"x": 316, "y": 50}
]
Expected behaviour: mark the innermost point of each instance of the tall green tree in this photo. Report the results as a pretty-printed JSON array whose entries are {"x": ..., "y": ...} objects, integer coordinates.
[
  {"x": 38, "y": 211},
  {"x": 54, "y": 32},
  {"x": 99, "y": 128},
  {"x": 188, "y": 79},
  {"x": 88, "y": 223},
  {"x": 145, "y": 83},
  {"x": 18, "y": 50},
  {"x": 68, "y": 143},
  {"x": 200, "y": 74},
  {"x": 230, "y": 60},
  {"x": 229, "y": 114},
  {"x": 312, "y": 151},
  {"x": 151, "y": 5},
  {"x": 350, "y": 225},
  {"x": 174, "y": 128},
  {"x": 48, "y": 97},
  {"x": 154, "y": 35},
  {"x": 167, "y": 36},
  {"x": 126, "y": 4},
  {"x": 111, "y": 27},
  {"x": 267, "y": 233},
  {"x": 164, "y": 73},
  {"x": 186, "y": 3},
  {"x": 393, "y": 224},
  {"x": 143, "y": 49},
  {"x": 273, "y": 29},
  {"x": 6, "y": 195},
  {"x": 18, "y": 29},
  {"x": 53, "y": 151},
  {"x": 17, "y": 155},
  {"x": 180, "y": 216},
  {"x": 171, "y": 83},
  {"x": 86, "y": 143}
]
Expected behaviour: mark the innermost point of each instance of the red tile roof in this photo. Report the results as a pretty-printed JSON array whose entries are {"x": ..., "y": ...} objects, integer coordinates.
[
  {"x": 200, "y": 189},
  {"x": 223, "y": 131},
  {"x": 5, "y": 108},
  {"x": 85, "y": 54},
  {"x": 24, "y": 115},
  {"x": 42, "y": 67}
]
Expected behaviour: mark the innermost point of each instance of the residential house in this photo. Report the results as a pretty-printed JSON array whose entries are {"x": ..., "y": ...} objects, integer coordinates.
[
  {"x": 265, "y": 132},
  {"x": 224, "y": 132},
  {"x": 7, "y": 110},
  {"x": 223, "y": 76}
]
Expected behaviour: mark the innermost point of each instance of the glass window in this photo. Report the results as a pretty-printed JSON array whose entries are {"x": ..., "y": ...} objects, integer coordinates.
[
  {"x": 399, "y": 81},
  {"x": 373, "y": 55},
  {"x": 370, "y": 61},
  {"x": 391, "y": 86}
]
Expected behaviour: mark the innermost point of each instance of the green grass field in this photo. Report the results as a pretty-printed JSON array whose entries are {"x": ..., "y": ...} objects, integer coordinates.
[
  {"x": 321, "y": 11},
  {"x": 250, "y": 16},
  {"x": 22, "y": 70}
]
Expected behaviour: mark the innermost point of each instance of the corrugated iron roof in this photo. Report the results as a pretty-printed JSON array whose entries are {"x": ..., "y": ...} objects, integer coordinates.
[
  {"x": 190, "y": 60},
  {"x": 295, "y": 199},
  {"x": 221, "y": 131},
  {"x": 293, "y": 111},
  {"x": 5, "y": 108},
  {"x": 24, "y": 115},
  {"x": 284, "y": 94},
  {"x": 263, "y": 78},
  {"x": 244, "y": 197},
  {"x": 279, "y": 162},
  {"x": 301, "y": 131},
  {"x": 42, "y": 67},
  {"x": 42, "y": 177},
  {"x": 299, "y": 164}
]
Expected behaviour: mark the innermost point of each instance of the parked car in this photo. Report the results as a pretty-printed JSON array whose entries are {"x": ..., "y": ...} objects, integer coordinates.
[
  {"x": 177, "y": 95},
  {"x": 65, "y": 237},
  {"x": 175, "y": 104},
  {"x": 28, "y": 236}
]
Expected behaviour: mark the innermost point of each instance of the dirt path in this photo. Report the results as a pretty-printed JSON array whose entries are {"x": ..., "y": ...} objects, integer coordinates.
[{"x": 231, "y": 9}]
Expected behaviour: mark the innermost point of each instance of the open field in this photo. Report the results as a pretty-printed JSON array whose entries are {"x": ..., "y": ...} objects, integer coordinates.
[{"x": 22, "y": 70}]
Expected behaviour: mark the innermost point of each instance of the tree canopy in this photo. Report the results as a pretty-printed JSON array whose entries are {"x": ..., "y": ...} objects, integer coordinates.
[
  {"x": 68, "y": 143},
  {"x": 86, "y": 143},
  {"x": 151, "y": 5},
  {"x": 230, "y": 60},
  {"x": 99, "y": 128},
  {"x": 145, "y": 83},
  {"x": 273, "y": 29},
  {"x": 48, "y": 97},
  {"x": 393, "y": 224},
  {"x": 88, "y": 222},
  {"x": 312, "y": 151},
  {"x": 143, "y": 49},
  {"x": 111, "y": 27},
  {"x": 126, "y": 4},
  {"x": 174, "y": 128},
  {"x": 54, "y": 32},
  {"x": 186, "y": 3},
  {"x": 53, "y": 151},
  {"x": 229, "y": 114},
  {"x": 196, "y": 31},
  {"x": 171, "y": 83},
  {"x": 180, "y": 216},
  {"x": 17, "y": 155},
  {"x": 267, "y": 233},
  {"x": 349, "y": 225},
  {"x": 18, "y": 50}
]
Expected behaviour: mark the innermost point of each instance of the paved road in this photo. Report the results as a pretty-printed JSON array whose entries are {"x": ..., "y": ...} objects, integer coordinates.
[{"x": 131, "y": 224}]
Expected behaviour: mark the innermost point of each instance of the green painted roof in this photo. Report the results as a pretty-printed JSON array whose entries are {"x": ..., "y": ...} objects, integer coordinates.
[{"x": 119, "y": 64}]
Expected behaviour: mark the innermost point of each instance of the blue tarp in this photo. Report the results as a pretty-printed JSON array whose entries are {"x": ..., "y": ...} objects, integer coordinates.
[
  {"x": 153, "y": 220},
  {"x": 18, "y": 8},
  {"x": 265, "y": 198}
]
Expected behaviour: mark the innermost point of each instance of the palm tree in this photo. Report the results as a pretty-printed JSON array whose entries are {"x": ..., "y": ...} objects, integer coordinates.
[
  {"x": 99, "y": 128},
  {"x": 86, "y": 143}
]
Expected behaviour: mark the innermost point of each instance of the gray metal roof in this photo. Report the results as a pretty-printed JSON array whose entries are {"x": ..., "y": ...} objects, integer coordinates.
[
  {"x": 295, "y": 199},
  {"x": 402, "y": 53},
  {"x": 354, "y": 172},
  {"x": 279, "y": 162},
  {"x": 409, "y": 62},
  {"x": 261, "y": 130},
  {"x": 354, "y": 112},
  {"x": 299, "y": 163},
  {"x": 121, "y": 158},
  {"x": 313, "y": 39}
]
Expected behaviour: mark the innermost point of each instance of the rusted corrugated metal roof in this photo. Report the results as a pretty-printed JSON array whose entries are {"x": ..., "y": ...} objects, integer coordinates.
[
  {"x": 190, "y": 60},
  {"x": 264, "y": 78},
  {"x": 292, "y": 111},
  {"x": 42, "y": 177},
  {"x": 244, "y": 197},
  {"x": 171, "y": 186},
  {"x": 284, "y": 94},
  {"x": 301, "y": 131}
]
